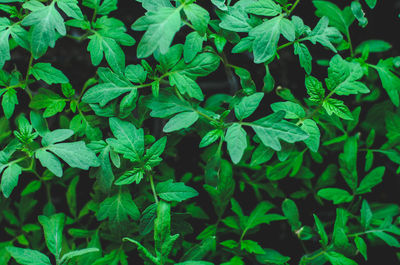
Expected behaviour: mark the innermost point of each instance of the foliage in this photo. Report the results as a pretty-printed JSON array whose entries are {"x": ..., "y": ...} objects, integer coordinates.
[{"x": 93, "y": 169}]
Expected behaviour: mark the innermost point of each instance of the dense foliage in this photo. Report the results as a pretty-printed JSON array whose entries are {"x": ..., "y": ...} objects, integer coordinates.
[{"x": 141, "y": 157}]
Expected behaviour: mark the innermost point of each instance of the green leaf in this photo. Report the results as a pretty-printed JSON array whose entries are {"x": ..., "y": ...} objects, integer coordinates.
[
  {"x": 324, "y": 35},
  {"x": 266, "y": 8},
  {"x": 8, "y": 102},
  {"x": 49, "y": 161},
  {"x": 135, "y": 73},
  {"x": 336, "y": 195},
  {"x": 175, "y": 191},
  {"x": 315, "y": 89},
  {"x": 251, "y": 247},
  {"x": 343, "y": 76},
  {"x": 338, "y": 259},
  {"x": 194, "y": 262},
  {"x": 371, "y": 180},
  {"x": 4, "y": 43},
  {"x": 47, "y": 73},
  {"x": 266, "y": 39},
  {"x": 390, "y": 81},
  {"x": 56, "y": 136},
  {"x": 247, "y": 105},
  {"x": 26, "y": 256},
  {"x": 305, "y": 57},
  {"x": 186, "y": 85},
  {"x": 181, "y": 121},
  {"x": 356, "y": 9},
  {"x": 261, "y": 155},
  {"x": 273, "y": 257},
  {"x": 71, "y": 8},
  {"x": 236, "y": 20},
  {"x": 147, "y": 220},
  {"x": 348, "y": 162},
  {"x": 246, "y": 81},
  {"x": 388, "y": 239},
  {"x": 77, "y": 253},
  {"x": 373, "y": 46},
  {"x": 292, "y": 110},
  {"x": 48, "y": 100},
  {"x": 193, "y": 45},
  {"x": 371, "y": 3},
  {"x": 9, "y": 179},
  {"x": 361, "y": 246},
  {"x": 105, "y": 92},
  {"x": 310, "y": 127},
  {"x": 198, "y": 16},
  {"x": 321, "y": 231},
  {"x": 117, "y": 208},
  {"x": 291, "y": 212},
  {"x": 53, "y": 227},
  {"x": 257, "y": 216},
  {"x": 46, "y": 22},
  {"x": 340, "y": 19},
  {"x": 272, "y": 128},
  {"x": 162, "y": 231},
  {"x": 236, "y": 140},
  {"x": 337, "y": 107},
  {"x": 202, "y": 65},
  {"x": 160, "y": 27},
  {"x": 129, "y": 141},
  {"x": 211, "y": 137},
  {"x": 366, "y": 214},
  {"x": 75, "y": 154}
]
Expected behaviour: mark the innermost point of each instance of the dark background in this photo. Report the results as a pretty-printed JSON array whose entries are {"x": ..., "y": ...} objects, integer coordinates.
[{"x": 72, "y": 58}]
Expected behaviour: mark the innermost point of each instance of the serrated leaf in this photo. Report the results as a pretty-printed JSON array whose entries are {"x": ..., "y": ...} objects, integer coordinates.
[
  {"x": 343, "y": 76},
  {"x": 45, "y": 21},
  {"x": 117, "y": 208},
  {"x": 337, "y": 107},
  {"x": 129, "y": 141},
  {"x": 272, "y": 128},
  {"x": 251, "y": 247},
  {"x": 266, "y": 8},
  {"x": 160, "y": 30},
  {"x": 314, "y": 89},
  {"x": 340, "y": 19}
]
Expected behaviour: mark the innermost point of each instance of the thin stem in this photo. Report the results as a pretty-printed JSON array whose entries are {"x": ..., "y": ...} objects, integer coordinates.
[
  {"x": 351, "y": 45},
  {"x": 28, "y": 72},
  {"x": 153, "y": 189},
  {"x": 293, "y": 7}
]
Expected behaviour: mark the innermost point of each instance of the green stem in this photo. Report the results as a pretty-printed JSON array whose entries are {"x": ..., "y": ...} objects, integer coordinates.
[
  {"x": 293, "y": 7},
  {"x": 153, "y": 189},
  {"x": 28, "y": 72},
  {"x": 350, "y": 44}
]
